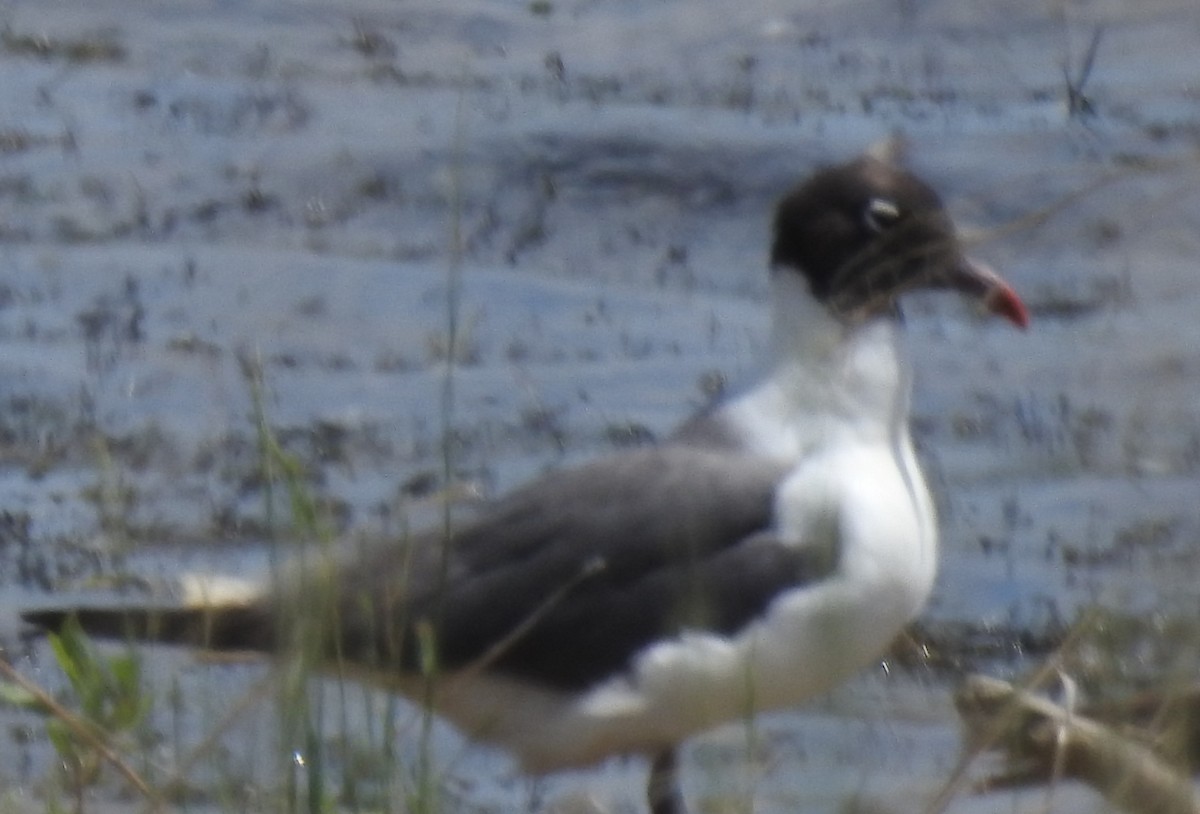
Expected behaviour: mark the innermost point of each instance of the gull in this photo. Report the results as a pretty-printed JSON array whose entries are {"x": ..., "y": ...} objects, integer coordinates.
[{"x": 770, "y": 547}]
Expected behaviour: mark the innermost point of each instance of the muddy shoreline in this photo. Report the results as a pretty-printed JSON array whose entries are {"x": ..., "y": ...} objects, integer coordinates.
[{"x": 191, "y": 190}]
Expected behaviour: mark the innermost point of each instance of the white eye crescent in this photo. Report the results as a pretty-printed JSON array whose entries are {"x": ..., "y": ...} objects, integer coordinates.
[{"x": 881, "y": 214}]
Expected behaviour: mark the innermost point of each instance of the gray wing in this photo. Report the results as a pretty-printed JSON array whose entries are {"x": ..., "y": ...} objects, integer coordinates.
[{"x": 564, "y": 581}]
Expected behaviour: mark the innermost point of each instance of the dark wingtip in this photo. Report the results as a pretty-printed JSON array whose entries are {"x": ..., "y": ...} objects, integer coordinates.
[
  {"x": 178, "y": 625},
  {"x": 248, "y": 628},
  {"x": 46, "y": 621}
]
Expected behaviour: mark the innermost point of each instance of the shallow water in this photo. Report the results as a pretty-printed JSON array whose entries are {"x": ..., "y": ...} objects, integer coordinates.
[{"x": 291, "y": 185}]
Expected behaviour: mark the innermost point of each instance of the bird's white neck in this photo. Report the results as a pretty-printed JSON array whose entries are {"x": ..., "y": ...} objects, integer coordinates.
[
  {"x": 827, "y": 379},
  {"x": 862, "y": 362}
]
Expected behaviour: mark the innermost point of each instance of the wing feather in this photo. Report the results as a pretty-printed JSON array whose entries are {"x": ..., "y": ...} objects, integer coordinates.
[{"x": 565, "y": 580}]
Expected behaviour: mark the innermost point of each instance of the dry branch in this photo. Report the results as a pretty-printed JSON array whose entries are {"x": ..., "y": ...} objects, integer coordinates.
[{"x": 1044, "y": 740}]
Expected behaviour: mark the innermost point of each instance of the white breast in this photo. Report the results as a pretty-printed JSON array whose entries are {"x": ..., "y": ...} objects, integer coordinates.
[
  {"x": 854, "y": 484},
  {"x": 813, "y": 637}
]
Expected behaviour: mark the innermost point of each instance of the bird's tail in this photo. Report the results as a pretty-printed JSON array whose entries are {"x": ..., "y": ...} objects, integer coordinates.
[{"x": 213, "y": 614}]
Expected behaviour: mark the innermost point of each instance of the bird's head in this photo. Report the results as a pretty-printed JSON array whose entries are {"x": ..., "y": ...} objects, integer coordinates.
[{"x": 866, "y": 232}]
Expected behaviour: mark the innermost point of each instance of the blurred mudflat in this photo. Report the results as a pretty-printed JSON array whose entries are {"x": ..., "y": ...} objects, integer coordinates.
[{"x": 191, "y": 190}]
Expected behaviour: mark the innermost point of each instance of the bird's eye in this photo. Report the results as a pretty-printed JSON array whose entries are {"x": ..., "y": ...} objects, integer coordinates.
[{"x": 881, "y": 214}]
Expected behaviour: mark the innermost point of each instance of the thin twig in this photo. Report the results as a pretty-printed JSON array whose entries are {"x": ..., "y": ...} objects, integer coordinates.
[
  {"x": 993, "y": 733},
  {"x": 497, "y": 650},
  {"x": 1062, "y": 743},
  {"x": 86, "y": 731},
  {"x": 1036, "y": 218}
]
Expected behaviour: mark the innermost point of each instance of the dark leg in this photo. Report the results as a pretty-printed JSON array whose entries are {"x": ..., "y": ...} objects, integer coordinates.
[{"x": 663, "y": 788}]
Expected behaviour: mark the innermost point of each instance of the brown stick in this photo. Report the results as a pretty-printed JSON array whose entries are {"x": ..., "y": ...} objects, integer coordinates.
[{"x": 1043, "y": 737}]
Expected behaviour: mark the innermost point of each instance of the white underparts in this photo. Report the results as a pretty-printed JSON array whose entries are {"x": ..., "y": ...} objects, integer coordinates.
[{"x": 834, "y": 408}]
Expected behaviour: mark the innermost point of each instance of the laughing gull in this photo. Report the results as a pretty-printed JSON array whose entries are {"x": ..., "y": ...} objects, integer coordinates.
[{"x": 773, "y": 545}]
